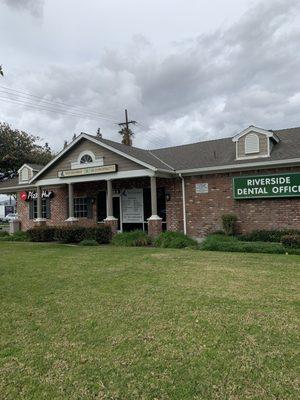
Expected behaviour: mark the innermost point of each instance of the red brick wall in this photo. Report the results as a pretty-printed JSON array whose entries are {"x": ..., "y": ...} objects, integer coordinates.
[{"x": 204, "y": 211}]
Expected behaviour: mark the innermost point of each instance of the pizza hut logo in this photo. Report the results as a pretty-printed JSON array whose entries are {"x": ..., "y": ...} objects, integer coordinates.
[{"x": 23, "y": 196}]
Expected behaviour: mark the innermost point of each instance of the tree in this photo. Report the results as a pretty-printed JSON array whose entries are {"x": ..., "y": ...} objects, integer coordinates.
[
  {"x": 127, "y": 136},
  {"x": 17, "y": 148}
]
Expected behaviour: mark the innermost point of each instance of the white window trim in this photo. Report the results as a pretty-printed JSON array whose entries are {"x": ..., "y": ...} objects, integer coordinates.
[{"x": 98, "y": 161}]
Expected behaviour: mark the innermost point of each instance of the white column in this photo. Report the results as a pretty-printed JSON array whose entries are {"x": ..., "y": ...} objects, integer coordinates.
[
  {"x": 71, "y": 203},
  {"x": 109, "y": 202},
  {"x": 39, "y": 202},
  {"x": 153, "y": 199}
]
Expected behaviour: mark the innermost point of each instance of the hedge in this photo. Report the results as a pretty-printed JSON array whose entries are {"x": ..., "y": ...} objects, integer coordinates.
[
  {"x": 268, "y": 235},
  {"x": 70, "y": 234},
  {"x": 232, "y": 244},
  {"x": 136, "y": 238},
  {"x": 174, "y": 240}
]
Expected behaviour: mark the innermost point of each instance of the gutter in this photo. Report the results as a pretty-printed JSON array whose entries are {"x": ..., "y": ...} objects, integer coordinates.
[{"x": 183, "y": 203}]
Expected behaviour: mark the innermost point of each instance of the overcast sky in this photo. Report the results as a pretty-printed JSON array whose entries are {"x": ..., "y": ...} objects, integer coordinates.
[{"x": 187, "y": 70}]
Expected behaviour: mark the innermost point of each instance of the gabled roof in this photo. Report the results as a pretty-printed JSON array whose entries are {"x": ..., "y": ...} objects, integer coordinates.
[{"x": 255, "y": 129}]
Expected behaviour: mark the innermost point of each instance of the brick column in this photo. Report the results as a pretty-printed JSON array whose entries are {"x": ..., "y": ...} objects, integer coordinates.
[{"x": 154, "y": 222}]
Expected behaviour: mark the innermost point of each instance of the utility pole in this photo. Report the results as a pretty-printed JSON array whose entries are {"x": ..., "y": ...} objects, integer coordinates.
[{"x": 125, "y": 131}]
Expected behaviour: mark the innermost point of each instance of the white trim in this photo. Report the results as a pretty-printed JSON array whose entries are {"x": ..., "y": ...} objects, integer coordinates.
[
  {"x": 110, "y": 218},
  {"x": 71, "y": 219},
  {"x": 183, "y": 204},
  {"x": 99, "y": 143},
  {"x": 265, "y": 164},
  {"x": 253, "y": 157},
  {"x": 97, "y": 161},
  {"x": 101, "y": 177},
  {"x": 154, "y": 218},
  {"x": 255, "y": 129}
]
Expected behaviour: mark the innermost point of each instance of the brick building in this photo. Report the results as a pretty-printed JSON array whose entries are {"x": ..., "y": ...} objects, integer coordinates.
[{"x": 255, "y": 175}]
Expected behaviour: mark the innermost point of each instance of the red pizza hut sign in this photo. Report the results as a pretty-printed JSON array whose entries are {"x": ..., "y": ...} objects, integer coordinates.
[{"x": 27, "y": 196}]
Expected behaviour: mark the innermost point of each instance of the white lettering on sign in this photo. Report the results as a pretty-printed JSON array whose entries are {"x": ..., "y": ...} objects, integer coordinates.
[
  {"x": 46, "y": 194},
  {"x": 132, "y": 206},
  {"x": 201, "y": 188}
]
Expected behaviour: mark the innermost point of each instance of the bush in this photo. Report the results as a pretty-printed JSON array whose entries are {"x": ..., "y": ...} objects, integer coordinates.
[
  {"x": 42, "y": 234},
  {"x": 268, "y": 235},
  {"x": 229, "y": 224},
  {"x": 134, "y": 238},
  {"x": 19, "y": 236},
  {"x": 70, "y": 234},
  {"x": 223, "y": 243},
  {"x": 175, "y": 240},
  {"x": 3, "y": 233},
  {"x": 88, "y": 242},
  {"x": 292, "y": 241}
]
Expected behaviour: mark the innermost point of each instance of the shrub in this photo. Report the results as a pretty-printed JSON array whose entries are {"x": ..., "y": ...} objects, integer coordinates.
[
  {"x": 3, "y": 233},
  {"x": 42, "y": 234},
  {"x": 19, "y": 236},
  {"x": 174, "y": 240},
  {"x": 292, "y": 241},
  {"x": 88, "y": 242},
  {"x": 268, "y": 235},
  {"x": 229, "y": 224},
  {"x": 134, "y": 238},
  {"x": 223, "y": 243},
  {"x": 70, "y": 234}
]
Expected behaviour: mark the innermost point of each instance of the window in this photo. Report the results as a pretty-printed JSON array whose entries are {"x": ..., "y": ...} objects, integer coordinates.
[
  {"x": 46, "y": 210},
  {"x": 80, "y": 207},
  {"x": 251, "y": 143},
  {"x": 86, "y": 159},
  {"x": 25, "y": 174}
]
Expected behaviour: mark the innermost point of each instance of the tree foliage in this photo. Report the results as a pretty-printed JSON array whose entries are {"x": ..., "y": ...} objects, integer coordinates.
[{"x": 17, "y": 148}]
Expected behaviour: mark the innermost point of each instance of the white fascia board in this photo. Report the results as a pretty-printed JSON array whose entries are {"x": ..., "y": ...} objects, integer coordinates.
[
  {"x": 99, "y": 143},
  {"x": 264, "y": 164},
  {"x": 255, "y": 129},
  {"x": 58, "y": 156},
  {"x": 92, "y": 178}
]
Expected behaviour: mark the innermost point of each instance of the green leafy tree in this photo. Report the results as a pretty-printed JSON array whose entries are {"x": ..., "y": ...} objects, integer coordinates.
[{"x": 17, "y": 148}]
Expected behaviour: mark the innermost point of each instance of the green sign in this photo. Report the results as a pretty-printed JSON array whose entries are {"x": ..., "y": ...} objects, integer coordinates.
[{"x": 260, "y": 186}]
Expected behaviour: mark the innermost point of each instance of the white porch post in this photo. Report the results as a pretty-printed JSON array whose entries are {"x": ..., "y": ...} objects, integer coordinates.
[
  {"x": 154, "y": 215},
  {"x": 39, "y": 217},
  {"x": 39, "y": 203},
  {"x": 109, "y": 201},
  {"x": 71, "y": 203},
  {"x": 110, "y": 219},
  {"x": 154, "y": 222}
]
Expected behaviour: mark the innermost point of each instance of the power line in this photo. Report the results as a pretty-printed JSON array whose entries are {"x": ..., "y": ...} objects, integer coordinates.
[
  {"x": 48, "y": 109},
  {"x": 30, "y": 96}
]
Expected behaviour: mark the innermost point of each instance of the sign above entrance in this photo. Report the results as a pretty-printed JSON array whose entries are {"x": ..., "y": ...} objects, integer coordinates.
[
  {"x": 132, "y": 206},
  {"x": 88, "y": 171},
  {"x": 266, "y": 186}
]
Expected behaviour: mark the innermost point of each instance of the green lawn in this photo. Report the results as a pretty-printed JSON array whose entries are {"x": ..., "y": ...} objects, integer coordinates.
[{"x": 140, "y": 323}]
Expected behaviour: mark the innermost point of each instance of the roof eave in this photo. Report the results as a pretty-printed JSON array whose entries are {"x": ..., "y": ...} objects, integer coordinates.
[{"x": 234, "y": 167}]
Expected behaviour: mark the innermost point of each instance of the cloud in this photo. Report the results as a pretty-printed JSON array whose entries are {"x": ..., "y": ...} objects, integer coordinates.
[
  {"x": 35, "y": 7},
  {"x": 206, "y": 87}
]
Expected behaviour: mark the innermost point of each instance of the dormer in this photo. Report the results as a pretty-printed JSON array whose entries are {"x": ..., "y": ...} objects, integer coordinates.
[
  {"x": 27, "y": 171},
  {"x": 254, "y": 142}
]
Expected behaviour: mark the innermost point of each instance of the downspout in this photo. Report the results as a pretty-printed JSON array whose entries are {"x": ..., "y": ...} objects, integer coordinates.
[{"x": 183, "y": 203}]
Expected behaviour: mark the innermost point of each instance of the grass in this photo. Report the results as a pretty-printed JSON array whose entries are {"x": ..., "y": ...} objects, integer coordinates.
[{"x": 141, "y": 323}]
